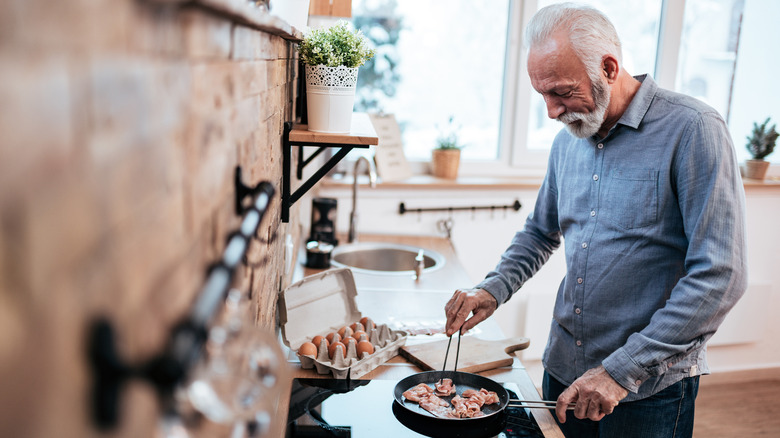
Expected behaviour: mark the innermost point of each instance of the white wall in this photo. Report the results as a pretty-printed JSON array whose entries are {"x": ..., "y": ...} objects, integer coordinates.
[{"x": 748, "y": 338}]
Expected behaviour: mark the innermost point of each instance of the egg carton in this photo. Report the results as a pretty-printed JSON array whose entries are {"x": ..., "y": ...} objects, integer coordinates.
[
  {"x": 386, "y": 344},
  {"x": 323, "y": 303}
]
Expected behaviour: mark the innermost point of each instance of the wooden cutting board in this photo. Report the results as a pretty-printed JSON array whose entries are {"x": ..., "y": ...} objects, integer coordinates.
[{"x": 475, "y": 354}]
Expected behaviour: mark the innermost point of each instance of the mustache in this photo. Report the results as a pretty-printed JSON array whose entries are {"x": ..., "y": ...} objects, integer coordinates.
[{"x": 569, "y": 118}]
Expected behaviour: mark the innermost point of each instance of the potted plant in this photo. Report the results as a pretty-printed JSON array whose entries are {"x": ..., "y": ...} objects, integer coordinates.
[
  {"x": 332, "y": 57},
  {"x": 760, "y": 144},
  {"x": 445, "y": 158}
]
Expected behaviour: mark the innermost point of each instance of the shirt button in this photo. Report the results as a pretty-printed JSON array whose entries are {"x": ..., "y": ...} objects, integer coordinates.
[
  {"x": 638, "y": 382},
  {"x": 584, "y": 244},
  {"x": 592, "y": 213},
  {"x": 577, "y": 311},
  {"x": 595, "y": 177},
  {"x": 601, "y": 146},
  {"x": 579, "y": 280},
  {"x": 579, "y": 343}
]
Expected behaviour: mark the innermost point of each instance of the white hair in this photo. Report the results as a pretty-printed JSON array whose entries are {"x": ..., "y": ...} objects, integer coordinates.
[{"x": 591, "y": 34}]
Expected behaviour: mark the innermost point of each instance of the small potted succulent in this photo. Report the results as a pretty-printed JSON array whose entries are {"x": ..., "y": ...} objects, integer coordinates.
[
  {"x": 760, "y": 144},
  {"x": 332, "y": 57},
  {"x": 445, "y": 158}
]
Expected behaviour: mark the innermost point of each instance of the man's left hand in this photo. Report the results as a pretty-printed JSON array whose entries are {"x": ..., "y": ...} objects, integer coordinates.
[{"x": 596, "y": 394}]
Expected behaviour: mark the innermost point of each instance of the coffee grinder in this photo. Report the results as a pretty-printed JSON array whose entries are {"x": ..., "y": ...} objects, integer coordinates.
[{"x": 323, "y": 221}]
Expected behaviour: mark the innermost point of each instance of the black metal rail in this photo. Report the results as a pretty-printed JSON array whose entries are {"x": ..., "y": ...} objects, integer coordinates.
[
  {"x": 402, "y": 209},
  {"x": 185, "y": 343}
]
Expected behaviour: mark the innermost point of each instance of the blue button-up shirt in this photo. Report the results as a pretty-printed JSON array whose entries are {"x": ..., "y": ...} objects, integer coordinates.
[{"x": 652, "y": 217}]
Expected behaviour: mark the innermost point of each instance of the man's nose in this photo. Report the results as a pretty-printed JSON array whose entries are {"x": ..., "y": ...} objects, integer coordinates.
[{"x": 554, "y": 108}]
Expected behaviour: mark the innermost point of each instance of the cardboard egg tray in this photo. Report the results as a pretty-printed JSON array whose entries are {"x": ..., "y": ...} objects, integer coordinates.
[{"x": 323, "y": 303}]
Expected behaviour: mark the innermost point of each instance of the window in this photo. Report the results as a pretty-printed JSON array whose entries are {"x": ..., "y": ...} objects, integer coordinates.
[
  {"x": 708, "y": 51},
  {"x": 434, "y": 60},
  {"x": 465, "y": 59}
]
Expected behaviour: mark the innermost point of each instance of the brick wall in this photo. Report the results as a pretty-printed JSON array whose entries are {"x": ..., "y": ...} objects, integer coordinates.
[{"x": 121, "y": 124}]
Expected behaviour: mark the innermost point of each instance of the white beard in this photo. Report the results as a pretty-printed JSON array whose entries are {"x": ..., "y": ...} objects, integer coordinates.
[{"x": 589, "y": 123}]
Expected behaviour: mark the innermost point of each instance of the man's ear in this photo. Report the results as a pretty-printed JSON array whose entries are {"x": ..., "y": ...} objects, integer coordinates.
[{"x": 610, "y": 68}]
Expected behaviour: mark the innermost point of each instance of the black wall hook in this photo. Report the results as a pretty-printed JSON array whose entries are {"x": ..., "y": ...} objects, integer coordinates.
[{"x": 244, "y": 191}]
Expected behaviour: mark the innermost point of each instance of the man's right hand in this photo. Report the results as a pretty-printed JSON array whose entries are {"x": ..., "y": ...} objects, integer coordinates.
[{"x": 478, "y": 302}]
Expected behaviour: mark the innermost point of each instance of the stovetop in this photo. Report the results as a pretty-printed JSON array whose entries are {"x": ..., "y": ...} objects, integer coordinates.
[{"x": 365, "y": 408}]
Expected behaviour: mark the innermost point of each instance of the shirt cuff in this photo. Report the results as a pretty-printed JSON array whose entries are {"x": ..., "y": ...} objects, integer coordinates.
[
  {"x": 497, "y": 288},
  {"x": 625, "y": 371}
]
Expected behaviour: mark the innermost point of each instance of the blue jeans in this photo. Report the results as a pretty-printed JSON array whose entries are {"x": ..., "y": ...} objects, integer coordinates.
[{"x": 666, "y": 414}]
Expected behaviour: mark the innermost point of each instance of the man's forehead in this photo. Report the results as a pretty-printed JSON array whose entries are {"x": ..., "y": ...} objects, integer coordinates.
[{"x": 553, "y": 63}]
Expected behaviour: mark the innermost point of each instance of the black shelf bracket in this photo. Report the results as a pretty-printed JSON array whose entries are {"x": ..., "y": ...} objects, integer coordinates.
[{"x": 288, "y": 196}]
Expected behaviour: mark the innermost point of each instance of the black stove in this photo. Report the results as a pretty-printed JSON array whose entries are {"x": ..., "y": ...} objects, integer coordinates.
[{"x": 365, "y": 408}]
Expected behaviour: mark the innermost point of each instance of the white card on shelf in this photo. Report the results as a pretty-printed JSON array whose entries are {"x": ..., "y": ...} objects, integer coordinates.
[{"x": 391, "y": 163}]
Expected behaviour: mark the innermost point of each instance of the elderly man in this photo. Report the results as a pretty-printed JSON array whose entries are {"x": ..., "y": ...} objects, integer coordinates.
[{"x": 644, "y": 187}]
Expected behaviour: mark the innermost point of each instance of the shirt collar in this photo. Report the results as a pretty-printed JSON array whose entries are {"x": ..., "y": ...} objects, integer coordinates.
[{"x": 639, "y": 105}]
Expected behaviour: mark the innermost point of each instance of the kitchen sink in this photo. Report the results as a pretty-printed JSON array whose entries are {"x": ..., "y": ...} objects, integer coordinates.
[{"x": 384, "y": 258}]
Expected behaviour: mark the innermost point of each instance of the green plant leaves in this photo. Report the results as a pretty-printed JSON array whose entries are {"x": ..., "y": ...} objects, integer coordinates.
[
  {"x": 762, "y": 141},
  {"x": 335, "y": 46}
]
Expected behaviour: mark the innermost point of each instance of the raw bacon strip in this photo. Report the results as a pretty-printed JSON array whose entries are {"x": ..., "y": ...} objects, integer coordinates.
[
  {"x": 483, "y": 396},
  {"x": 469, "y": 392},
  {"x": 444, "y": 387},
  {"x": 461, "y": 410},
  {"x": 432, "y": 398},
  {"x": 490, "y": 396},
  {"x": 469, "y": 405},
  {"x": 436, "y": 406},
  {"x": 473, "y": 409},
  {"x": 474, "y": 396},
  {"x": 418, "y": 392}
]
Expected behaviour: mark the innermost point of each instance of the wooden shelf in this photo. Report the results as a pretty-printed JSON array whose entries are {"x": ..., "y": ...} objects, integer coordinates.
[{"x": 362, "y": 135}]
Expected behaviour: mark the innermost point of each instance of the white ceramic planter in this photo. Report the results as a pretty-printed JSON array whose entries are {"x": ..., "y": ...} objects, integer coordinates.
[{"x": 330, "y": 98}]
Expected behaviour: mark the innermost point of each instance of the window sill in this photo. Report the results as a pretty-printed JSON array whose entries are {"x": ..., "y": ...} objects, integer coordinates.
[
  {"x": 769, "y": 182},
  {"x": 428, "y": 182}
]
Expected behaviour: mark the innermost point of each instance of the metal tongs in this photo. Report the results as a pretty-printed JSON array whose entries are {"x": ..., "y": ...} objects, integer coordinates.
[
  {"x": 533, "y": 404},
  {"x": 447, "y": 353}
]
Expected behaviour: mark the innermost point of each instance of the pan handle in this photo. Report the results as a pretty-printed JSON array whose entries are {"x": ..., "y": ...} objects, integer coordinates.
[{"x": 537, "y": 404}]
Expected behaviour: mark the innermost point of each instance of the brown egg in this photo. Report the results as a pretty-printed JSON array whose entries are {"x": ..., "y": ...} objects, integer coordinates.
[
  {"x": 357, "y": 327},
  {"x": 333, "y": 337},
  {"x": 335, "y": 346},
  {"x": 366, "y": 321},
  {"x": 345, "y": 332},
  {"x": 359, "y": 335},
  {"x": 307, "y": 349},
  {"x": 349, "y": 340},
  {"x": 317, "y": 339},
  {"x": 364, "y": 347}
]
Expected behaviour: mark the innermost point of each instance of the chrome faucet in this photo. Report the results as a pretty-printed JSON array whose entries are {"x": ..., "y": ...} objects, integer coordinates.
[{"x": 353, "y": 217}]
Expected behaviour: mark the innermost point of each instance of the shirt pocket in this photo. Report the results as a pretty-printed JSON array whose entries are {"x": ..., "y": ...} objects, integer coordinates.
[{"x": 631, "y": 198}]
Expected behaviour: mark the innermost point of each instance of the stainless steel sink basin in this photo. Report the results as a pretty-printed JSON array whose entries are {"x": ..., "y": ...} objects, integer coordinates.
[{"x": 384, "y": 258}]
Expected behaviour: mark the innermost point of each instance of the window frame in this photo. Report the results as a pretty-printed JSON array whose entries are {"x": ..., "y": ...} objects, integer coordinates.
[{"x": 514, "y": 158}]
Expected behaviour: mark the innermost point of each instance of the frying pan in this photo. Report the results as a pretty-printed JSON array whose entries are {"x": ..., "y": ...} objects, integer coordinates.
[{"x": 462, "y": 382}]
